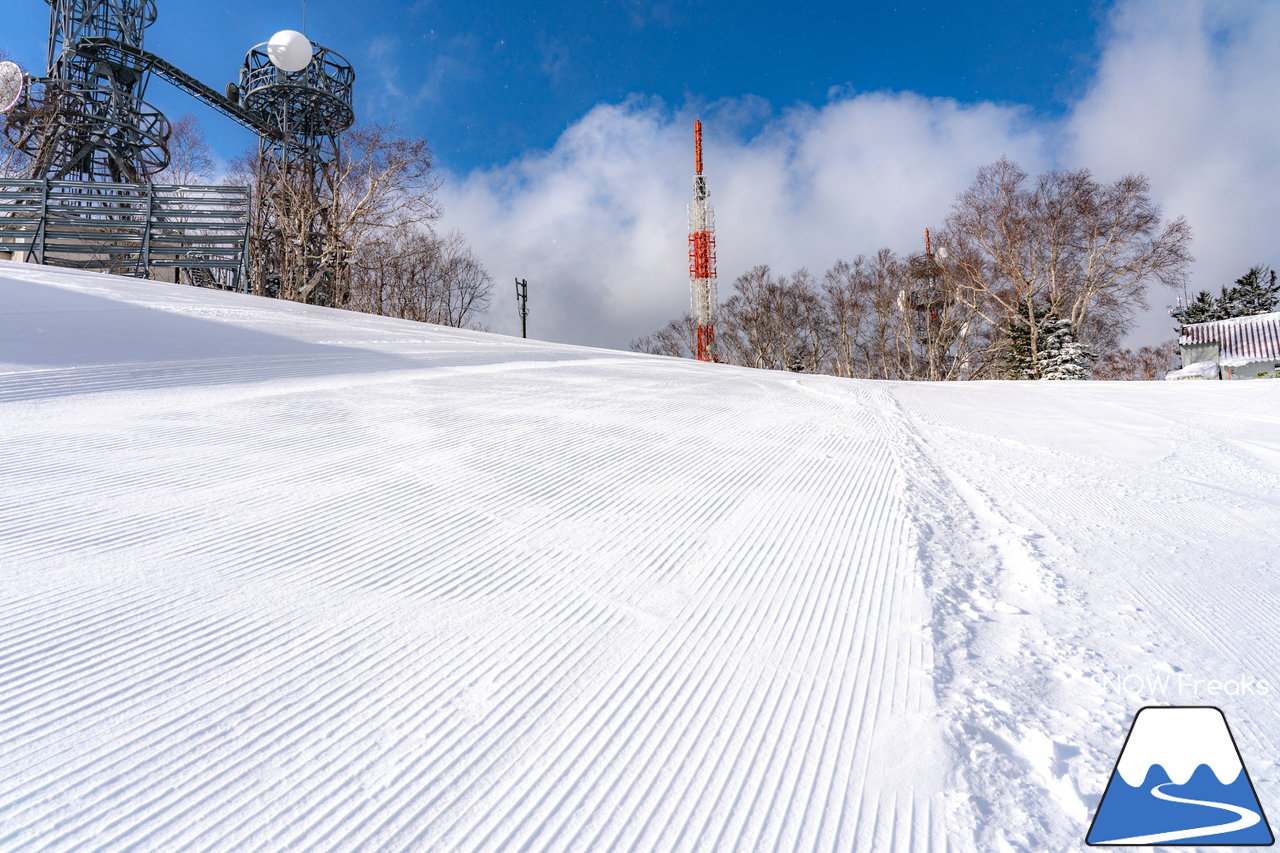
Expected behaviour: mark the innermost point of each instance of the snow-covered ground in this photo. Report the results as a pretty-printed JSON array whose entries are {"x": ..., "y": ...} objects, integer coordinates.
[{"x": 275, "y": 577}]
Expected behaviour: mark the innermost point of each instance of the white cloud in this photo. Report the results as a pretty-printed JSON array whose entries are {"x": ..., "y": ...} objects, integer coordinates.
[
  {"x": 597, "y": 224},
  {"x": 1185, "y": 93}
]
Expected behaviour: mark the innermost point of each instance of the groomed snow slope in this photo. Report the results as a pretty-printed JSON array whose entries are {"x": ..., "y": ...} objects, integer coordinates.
[{"x": 277, "y": 577}]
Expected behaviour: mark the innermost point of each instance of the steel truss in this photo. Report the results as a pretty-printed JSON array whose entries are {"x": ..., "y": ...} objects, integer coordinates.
[{"x": 89, "y": 133}]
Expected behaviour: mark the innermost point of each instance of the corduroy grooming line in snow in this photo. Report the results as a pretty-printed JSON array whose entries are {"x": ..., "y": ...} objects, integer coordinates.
[{"x": 702, "y": 255}]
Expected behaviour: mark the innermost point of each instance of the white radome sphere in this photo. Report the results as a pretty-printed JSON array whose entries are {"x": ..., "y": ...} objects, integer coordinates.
[
  {"x": 289, "y": 50},
  {"x": 12, "y": 82}
]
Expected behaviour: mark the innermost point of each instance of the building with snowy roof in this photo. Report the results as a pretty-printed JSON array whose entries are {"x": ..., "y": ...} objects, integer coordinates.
[{"x": 1239, "y": 348}]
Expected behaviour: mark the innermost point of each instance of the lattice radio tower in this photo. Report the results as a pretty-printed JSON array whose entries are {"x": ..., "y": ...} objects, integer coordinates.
[
  {"x": 85, "y": 120},
  {"x": 297, "y": 254},
  {"x": 702, "y": 255}
]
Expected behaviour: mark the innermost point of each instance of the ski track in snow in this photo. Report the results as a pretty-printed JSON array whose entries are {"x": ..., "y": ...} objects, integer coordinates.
[
  {"x": 278, "y": 578},
  {"x": 1134, "y": 541}
]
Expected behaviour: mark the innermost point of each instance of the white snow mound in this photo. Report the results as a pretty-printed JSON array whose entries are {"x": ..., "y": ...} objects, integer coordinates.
[{"x": 1197, "y": 370}]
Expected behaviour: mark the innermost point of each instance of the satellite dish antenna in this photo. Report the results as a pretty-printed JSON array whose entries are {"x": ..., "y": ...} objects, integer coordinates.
[
  {"x": 942, "y": 252},
  {"x": 12, "y": 84},
  {"x": 289, "y": 50}
]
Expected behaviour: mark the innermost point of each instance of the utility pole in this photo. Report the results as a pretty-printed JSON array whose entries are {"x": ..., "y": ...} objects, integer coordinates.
[{"x": 522, "y": 299}]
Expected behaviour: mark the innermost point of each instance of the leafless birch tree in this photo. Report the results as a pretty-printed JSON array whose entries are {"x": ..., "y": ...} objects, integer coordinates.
[
  {"x": 190, "y": 160},
  {"x": 1063, "y": 242},
  {"x": 410, "y": 272},
  {"x": 310, "y": 219}
]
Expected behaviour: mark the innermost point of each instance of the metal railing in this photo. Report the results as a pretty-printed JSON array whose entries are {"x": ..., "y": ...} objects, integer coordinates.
[{"x": 129, "y": 229}]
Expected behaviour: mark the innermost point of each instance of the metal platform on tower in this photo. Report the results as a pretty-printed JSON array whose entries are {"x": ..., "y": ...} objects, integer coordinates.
[{"x": 92, "y": 148}]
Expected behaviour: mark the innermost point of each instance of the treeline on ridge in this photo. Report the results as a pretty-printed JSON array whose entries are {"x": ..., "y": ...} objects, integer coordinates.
[{"x": 1036, "y": 277}]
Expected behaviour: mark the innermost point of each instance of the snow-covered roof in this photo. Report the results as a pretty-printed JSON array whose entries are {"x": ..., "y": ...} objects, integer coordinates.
[{"x": 1241, "y": 339}]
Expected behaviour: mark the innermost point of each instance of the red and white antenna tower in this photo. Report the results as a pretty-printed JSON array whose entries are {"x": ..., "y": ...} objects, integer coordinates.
[{"x": 702, "y": 256}]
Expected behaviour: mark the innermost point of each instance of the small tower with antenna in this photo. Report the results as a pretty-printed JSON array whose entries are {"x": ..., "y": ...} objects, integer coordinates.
[{"x": 702, "y": 255}]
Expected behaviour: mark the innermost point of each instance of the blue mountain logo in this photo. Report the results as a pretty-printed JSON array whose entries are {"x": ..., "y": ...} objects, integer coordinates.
[{"x": 1180, "y": 780}]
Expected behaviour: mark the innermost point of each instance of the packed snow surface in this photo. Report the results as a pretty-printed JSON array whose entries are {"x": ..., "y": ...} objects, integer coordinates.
[{"x": 276, "y": 577}]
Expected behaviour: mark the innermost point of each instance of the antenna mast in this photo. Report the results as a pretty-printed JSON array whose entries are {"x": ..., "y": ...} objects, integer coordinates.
[{"x": 702, "y": 255}]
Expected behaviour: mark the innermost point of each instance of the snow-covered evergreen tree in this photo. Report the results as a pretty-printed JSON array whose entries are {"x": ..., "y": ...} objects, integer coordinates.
[
  {"x": 1058, "y": 355},
  {"x": 1063, "y": 357},
  {"x": 1255, "y": 292},
  {"x": 1018, "y": 360},
  {"x": 1203, "y": 309}
]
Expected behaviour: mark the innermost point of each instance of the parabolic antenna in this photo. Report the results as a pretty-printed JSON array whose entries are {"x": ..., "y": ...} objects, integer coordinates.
[
  {"x": 12, "y": 82},
  {"x": 289, "y": 50}
]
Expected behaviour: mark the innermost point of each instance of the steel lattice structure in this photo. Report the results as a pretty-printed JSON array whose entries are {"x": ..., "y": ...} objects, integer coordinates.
[
  {"x": 301, "y": 115},
  {"x": 702, "y": 255},
  {"x": 85, "y": 121},
  {"x": 86, "y": 118},
  {"x": 303, "y": 112}
]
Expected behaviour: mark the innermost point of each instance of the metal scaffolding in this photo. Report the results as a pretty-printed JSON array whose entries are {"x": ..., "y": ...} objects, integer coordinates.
[{"x": 89, "y": 134}]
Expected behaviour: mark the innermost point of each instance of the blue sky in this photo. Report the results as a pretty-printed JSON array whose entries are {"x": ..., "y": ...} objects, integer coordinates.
[
  {"x": 487, "y": 83},
  {"x": 563, "y": 132},
  {"x": 517, "y": 76}
]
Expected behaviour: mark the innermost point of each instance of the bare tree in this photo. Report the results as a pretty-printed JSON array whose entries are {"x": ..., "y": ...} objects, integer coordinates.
[
  {"x": 14, "y": 164},
  {"x": 874, "y": 317},
  {"x": 678, "y": 339},
  {"x": 887, "y": 333},
  {"x": 897, "y": 319},
  {"x": 1065, "y": 243},
  {"x": 190, "y": 160},
  {"x": 777, "y": 323},
  {"x": 410, "y": 272},
  {"x": 461, "y": 283},
  {"x": 382, "y": 178},
  {"x": 310, "y": 220},
  {"x": 850, "y": 314},
  {"x": 1145, "y": 363},
  {"x": 746, "y": 326}
]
